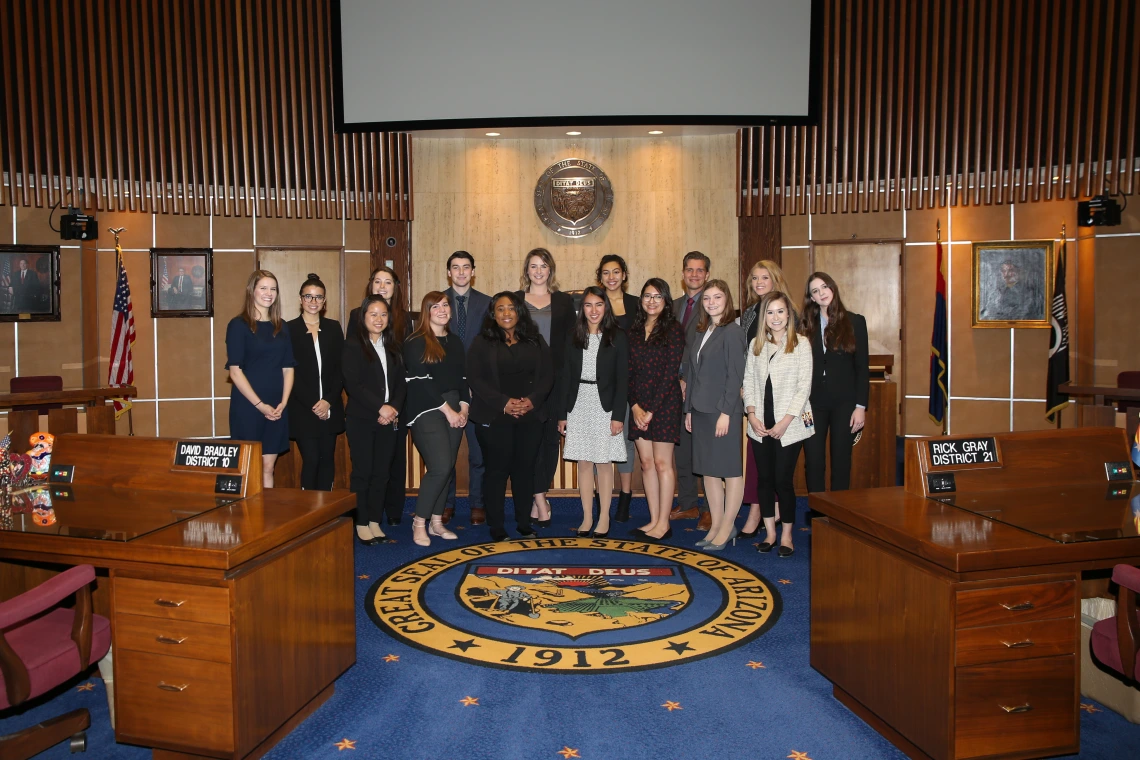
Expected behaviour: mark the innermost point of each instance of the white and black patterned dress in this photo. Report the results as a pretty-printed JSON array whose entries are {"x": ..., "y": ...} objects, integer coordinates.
[{"x": 588, "y": 436}]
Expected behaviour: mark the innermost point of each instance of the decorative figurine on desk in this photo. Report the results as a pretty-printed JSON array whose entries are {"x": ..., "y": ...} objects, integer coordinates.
[
  {"x": 40, "y": 454},
  {"x": 5, "y": 483}
]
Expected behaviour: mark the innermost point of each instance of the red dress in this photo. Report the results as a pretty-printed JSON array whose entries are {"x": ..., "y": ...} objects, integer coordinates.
[{"x": 654, "y": 383}]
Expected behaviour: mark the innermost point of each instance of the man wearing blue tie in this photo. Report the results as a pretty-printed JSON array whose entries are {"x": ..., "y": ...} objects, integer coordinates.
[{"x": 468, "y": 307}]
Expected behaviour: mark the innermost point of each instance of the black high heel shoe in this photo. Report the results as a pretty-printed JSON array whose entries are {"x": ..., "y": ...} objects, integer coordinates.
[
  {"x": 623, "y": 507},
  {"x": 749, "y": 533},
  {"x": 596, "y": 534}
]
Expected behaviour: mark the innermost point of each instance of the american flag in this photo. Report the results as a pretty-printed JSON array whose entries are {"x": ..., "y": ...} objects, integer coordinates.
[
  {"x": 165, "y": 284},
  {"x": 122, "y": 336}
]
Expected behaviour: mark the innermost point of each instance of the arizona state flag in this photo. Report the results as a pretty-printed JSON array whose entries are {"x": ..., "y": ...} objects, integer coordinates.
[
  {"x": 1059, "y": 342},
  {"x": 939, "y": 355}
]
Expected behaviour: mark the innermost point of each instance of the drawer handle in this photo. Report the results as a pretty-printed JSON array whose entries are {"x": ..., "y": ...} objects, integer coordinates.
[
  {"x": 1018, "y": 607},
  {"x": 169, "y": 603},
  {"x": 1017, "y": 708},
  {"x": 171, "y": 687},
  {"x": 168, "y": 640},
  {"x": 1019, "y": 644}
]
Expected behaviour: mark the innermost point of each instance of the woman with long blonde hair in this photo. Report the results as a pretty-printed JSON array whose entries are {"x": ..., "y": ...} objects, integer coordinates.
[{"x": 259, "y": 357}]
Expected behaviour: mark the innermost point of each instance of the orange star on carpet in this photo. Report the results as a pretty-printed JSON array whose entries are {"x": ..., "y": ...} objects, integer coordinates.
[
  {"x": 568, "y": 752},
  {"x": 785, "y": 581},
  {"x": 392, "y": 658},
  {"x": 799, "y": 755},
  {"x": 344, "y": 744},
  {"x": 469, "y": 701},
  {"x": 363, "y": 577},
  {"x": 1089, "y": 708},
  {"x": 754, "y": 665},
  {"x": 671, "y": 706},
  {"x": 85, "y": 687},
  {"x": 805, "y": 530}
]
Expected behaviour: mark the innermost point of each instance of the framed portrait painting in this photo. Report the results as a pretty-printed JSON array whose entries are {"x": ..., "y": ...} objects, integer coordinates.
[
  {"x": 181, "y": 282},
  {"x": 29, "y": 283},
  {"x": 1012, "y": 283}
]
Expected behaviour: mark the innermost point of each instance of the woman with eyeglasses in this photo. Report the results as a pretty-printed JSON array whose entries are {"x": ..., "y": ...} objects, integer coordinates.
[
  {"x": 656, "y": 347},
  {"x": 613, "y": 275},
  {"x": 316, "y": 410}
]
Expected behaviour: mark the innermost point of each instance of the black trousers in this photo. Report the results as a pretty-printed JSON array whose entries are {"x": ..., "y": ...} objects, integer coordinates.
[
  {"x": 509, "y": 451},
  {"x": 687, "y": 494},
  {"x": 836, "y": 418},
  {"x": 438, "y": 444},
  {"x": 397, "y": 493},
  {"x": 775, "y": 470},
  {"x": 372, "y": 448},
  {"x": 546, "y": 463},
  {"x": 318, "y": 461}
]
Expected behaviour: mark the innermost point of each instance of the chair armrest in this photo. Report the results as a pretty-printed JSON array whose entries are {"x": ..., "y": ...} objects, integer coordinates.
[
  {"x": 1127, "y": 576},
  {"x": 45, "y": 596}
]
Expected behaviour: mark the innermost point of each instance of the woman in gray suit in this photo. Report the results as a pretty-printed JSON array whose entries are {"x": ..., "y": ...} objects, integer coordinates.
[{"x": 713, "y": 368}]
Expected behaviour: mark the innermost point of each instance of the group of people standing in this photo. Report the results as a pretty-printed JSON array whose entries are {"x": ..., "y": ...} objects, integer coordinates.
[{"x": 666, "y": 383}]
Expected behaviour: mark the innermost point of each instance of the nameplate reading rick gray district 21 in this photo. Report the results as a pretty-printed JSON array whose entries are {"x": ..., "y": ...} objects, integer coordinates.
[
  {"x": 207, "y": 454},
  {"x": 962, "y": 451}
]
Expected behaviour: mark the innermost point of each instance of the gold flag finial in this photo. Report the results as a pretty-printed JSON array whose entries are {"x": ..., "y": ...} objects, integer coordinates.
[
  {"x": 938, "y": 230},
  {"x": 116, "y": 231}
]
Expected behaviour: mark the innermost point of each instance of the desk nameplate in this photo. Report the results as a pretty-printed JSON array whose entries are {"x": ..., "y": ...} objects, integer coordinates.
[
  {"x": 210, "y": 456},
  {"x": 968, "y": 453}
]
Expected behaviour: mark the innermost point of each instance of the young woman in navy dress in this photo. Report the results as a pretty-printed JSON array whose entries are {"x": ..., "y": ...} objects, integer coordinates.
[{"x": 259, "y": 356}]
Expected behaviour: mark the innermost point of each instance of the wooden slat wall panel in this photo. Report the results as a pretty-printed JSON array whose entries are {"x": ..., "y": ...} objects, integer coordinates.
[
  {"x": 187, "y": 107},
  {"x": 977, "y": 102}
]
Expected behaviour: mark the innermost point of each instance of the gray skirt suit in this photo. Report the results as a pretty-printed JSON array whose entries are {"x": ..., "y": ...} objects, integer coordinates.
[{"x": 714, "y": 375}]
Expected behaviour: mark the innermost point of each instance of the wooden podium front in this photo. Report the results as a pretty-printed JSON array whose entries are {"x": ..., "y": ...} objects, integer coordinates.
[
  {"x": 232, "y": 613},
  {"x": 946, "y": 613}
]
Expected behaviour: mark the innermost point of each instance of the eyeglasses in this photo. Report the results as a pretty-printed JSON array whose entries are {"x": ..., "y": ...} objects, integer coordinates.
[
  {"x": 652, "y": 297},
  {"x": 307, "y": 298}
]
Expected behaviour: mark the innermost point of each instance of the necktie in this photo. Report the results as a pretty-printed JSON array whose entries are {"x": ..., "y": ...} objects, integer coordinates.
[
  {"x": 461, "y": 316},
  {"x": 688, "y": 313}
]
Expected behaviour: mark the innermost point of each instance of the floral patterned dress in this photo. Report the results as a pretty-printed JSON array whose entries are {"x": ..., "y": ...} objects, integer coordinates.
[{"x": 654, "y": 383}]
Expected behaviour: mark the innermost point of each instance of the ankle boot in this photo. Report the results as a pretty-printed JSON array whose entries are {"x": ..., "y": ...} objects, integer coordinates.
[
  {"x": 437, "y": 528},
  {"x": 419, "y": 532},
  {"x": 623, "y": 507}
]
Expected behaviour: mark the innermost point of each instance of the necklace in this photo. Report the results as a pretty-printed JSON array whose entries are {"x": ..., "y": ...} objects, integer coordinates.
[{"x": 311, "y": 324}]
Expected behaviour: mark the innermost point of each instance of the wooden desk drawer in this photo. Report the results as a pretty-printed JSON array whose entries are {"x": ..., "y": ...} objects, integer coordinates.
[
  {"x": 176, "y": 638},
  {"x": 1017, "y": 641},
  {"x": 163, "y": 701},
  {"x": 174, "y": 601},
  {"x": 1014, "y": 604},
  {"x": 1021, "y": 706}
]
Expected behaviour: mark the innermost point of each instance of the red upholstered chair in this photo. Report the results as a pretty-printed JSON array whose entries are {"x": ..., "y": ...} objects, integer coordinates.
[
  {"x": 1115, "y": 639},
  {"x": 42, "y": 645},
  {"x": 1127, "y": 380},
  {"x": 36, "y": 384}
]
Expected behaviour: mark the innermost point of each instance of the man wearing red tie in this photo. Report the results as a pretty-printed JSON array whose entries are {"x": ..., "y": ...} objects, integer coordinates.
[
  {"x": 181, "y": 290},
  {"x": 25, "y": 288},
  {"x": 695, "y": 274}
]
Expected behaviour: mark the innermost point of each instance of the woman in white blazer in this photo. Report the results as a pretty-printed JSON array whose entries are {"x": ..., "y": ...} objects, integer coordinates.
[{"x": 777, "y": 385}]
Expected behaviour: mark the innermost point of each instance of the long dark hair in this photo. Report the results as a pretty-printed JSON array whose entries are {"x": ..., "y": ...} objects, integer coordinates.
[
  {"x": 607, "y": 328},
  {"x": 613, "y": 258},
  {"x": 249, "y": 311},
  {"x": 664, "y": 320},
  {"x": 525, "y": 329},
  {"x": 433, "y": 349},
  {"x": 314, "y": 282},
  {"x": 839, "y": 335},
  {"x": 386, "y": 337},
  {"x": 397, "y": 316}
]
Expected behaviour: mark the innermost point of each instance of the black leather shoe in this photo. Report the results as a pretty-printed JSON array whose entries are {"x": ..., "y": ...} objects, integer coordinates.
[
  {"x": 596, "y": 534},
  {"x": 524, "y": 536},
  {"x": 748, "y": 533},
  {"x": 763, "y": 547},
  {"x": 637, "y": 533},
  {"x": 370, "y": 541},
  {"x": 786, "y": 551},
  {"x": 622, "y": 514},
  {"x": 583, "y": 533}
]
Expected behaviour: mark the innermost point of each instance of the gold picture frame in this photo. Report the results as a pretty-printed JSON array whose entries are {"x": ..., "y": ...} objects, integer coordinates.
[{"x": 1013, "y": 282}]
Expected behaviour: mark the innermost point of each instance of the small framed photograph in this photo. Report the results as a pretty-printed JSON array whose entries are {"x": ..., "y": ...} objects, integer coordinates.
[
  {"x": 29, "y": 283},
  {"x": 181, "y": 282},
  {"x": 1012, "y": 283}
]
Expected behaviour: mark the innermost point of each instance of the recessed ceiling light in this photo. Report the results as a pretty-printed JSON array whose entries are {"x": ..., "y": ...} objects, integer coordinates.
[
  {"x": 656, "y": 132},
  {"x": 573, "y": 134},
  {"x": 492, "y": 134}
]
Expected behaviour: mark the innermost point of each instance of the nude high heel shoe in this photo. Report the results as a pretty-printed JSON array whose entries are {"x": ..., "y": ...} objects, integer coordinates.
[{"x": 419, "y": 532}]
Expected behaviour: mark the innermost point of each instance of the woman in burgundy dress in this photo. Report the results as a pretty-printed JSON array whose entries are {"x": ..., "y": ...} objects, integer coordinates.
[{"x": 656, "y": 345}]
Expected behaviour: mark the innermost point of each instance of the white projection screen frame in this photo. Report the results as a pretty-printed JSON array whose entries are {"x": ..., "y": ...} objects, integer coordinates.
[{"x": 404, "y": 65}]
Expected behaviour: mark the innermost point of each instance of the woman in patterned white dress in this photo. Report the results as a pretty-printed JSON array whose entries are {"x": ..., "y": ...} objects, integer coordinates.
[{"x": 591, "y": 398}]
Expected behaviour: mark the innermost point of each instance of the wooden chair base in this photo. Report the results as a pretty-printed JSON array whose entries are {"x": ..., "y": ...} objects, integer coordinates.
[{"x": 35, "y": 739}]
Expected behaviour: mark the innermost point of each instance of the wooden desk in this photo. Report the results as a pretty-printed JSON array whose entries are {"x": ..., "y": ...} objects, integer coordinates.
[
  {"x": 100, "y": 414},
  {"x": 953, "y": 634},
  {"x": 229, "y": 623},
  {"x": 1098, "y": 413}
]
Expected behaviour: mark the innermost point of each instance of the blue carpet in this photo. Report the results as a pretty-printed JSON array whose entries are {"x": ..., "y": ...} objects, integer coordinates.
[{"x": 412, "y": 707}]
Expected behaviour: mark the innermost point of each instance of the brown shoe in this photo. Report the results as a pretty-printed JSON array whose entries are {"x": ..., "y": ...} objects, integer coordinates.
[
  {"x": 448, "y": 513},
  {"x": 478, "y": 516},
  {"x": 692, "y": 513},
  {"x": 705, "y": 523}
]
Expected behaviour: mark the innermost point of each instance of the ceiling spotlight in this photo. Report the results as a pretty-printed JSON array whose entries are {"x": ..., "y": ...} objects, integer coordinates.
[
  {"x": 573, "y": 134},
  {"x": 656, "y": 132},
  {"x": 492, "y": 134}
]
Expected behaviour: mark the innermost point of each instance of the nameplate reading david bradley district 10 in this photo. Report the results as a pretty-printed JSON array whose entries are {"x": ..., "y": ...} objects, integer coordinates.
[
  {"x": 956, "y": 452},
  {"x": 207, "y": 455}
]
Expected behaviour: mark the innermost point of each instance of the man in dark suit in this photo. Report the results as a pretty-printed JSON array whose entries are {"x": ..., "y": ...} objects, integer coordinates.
[
  {"x": 181, "y": 290},
  {"x": 25, "y": 288},
  {"x": 468, "y": 307},
  {"x": 695, "y": 272}
]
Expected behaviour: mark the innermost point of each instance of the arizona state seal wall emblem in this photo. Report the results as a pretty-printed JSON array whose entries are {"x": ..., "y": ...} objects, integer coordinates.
[
  {"x": 573, "y": 605},
  {"x": 573, "y": 197}
]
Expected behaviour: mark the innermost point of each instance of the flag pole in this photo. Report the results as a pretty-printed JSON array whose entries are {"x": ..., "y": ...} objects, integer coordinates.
[
  {"x": 946, "y": 411},
  {"x": 116, "y": 231},
  {"x": 1063, "y": 239}
]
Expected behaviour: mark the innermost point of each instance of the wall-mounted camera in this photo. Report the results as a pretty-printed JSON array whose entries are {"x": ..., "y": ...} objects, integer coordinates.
[{"x": 1100, "y": 211}]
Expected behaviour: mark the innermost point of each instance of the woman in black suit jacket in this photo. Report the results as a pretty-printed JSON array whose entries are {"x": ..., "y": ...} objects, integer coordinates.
[
  {"x": 840, "y": 381},
  {"x": 591, "y": 401},
  {"x": 316, "y": 411},
  {"x": 374, "y": 379},
  {"x": 553, "y": 313},
  {"x": 613, "y": 275}
]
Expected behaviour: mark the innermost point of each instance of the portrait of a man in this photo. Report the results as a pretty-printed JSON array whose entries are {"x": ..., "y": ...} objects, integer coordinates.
[
  {"x": 1011, "y": 283},
  {"x": 27, "y": 282},
  {"x": 181, "y": 282}
]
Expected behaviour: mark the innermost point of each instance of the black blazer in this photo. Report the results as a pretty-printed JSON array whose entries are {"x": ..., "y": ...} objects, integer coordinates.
[
  {"x": 626, "y": 320},
  {"x": 307, "y": 384},
  {"x": 848, "y": 375},
  {"x": 561, "y": 325},
  {"x": 365, "y": 382},
  {"x": 613, "y": 377},
  {"x": 487, "y": 400}
]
